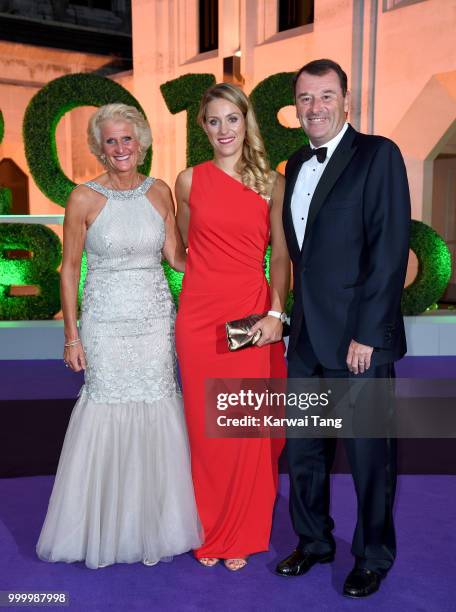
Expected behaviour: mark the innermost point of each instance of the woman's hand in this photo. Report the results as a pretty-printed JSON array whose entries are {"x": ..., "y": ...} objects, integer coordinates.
[
  {"x": 74, "y": 357},
  {"x": 271, "y": 330}
]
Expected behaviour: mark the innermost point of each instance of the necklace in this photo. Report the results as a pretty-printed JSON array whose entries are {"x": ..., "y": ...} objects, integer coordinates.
[{"x": 134, "y": 183}]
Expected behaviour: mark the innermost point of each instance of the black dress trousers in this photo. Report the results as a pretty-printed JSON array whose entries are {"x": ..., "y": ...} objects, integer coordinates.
[{"x": 373, "y": 467}]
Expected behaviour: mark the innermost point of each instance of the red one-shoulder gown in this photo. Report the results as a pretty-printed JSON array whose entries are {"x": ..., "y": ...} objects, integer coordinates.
[{"x": 235, "y": 479}]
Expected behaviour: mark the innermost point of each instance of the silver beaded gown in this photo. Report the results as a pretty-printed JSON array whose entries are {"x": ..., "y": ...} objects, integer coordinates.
[{"x": 123, "y": 490}]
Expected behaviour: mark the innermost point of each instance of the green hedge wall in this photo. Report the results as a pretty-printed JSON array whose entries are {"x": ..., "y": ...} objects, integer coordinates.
[
  {"x": 44, "y": 112},
  {"x": 6, "y": 201},
  {"x": 5, "y": 194}
]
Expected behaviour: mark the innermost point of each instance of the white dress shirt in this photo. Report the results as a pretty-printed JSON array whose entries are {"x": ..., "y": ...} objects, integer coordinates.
[{"x": 307, "y": 182}]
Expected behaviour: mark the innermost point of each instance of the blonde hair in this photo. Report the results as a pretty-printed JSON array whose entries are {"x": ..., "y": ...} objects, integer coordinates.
[
  {"x": 253, "y": 165},
  {"x": 118, "y": 112}
]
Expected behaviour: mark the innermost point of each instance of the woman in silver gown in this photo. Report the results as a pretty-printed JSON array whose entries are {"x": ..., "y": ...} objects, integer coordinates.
[{"x": 123, "y": 490}]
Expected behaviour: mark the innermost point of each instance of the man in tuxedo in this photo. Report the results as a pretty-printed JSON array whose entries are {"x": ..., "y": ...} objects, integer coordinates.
[{"x": 347, "y": 220}]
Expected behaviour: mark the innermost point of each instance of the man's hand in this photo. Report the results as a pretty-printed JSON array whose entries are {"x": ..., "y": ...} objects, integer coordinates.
[
  {"x": 271, "y": 330},
  {"x": 359, "y": 357}
]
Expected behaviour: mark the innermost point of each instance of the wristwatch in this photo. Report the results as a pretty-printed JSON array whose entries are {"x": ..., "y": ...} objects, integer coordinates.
[{"x": 282, "y": 316}]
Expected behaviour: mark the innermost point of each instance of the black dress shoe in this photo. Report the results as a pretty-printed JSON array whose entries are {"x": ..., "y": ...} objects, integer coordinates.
[
  {"x": 361, "y": 582},
  {"x": 300, "y": 562}
]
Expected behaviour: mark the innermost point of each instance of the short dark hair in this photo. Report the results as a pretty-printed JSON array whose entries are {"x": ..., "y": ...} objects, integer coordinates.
[{"x": 319, "y": 68}]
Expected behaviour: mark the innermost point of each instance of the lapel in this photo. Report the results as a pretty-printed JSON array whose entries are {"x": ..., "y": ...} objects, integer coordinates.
[
  {"x": 293, "y": 245},
  {"x": 336, "y": 165}
]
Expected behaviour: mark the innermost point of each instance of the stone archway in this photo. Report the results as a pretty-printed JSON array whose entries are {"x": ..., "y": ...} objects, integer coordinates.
[
  {"x": 422, "y": 135},
  {"x": 444, "y": 204},
  {"x": 426, "y": 136}
]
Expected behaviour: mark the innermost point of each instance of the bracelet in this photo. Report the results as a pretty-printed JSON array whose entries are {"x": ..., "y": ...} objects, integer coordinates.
[{"x": 72, "y": 343}]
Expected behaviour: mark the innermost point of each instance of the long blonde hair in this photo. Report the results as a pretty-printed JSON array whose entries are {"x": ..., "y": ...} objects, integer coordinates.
[{"x": 253, "y": 166}]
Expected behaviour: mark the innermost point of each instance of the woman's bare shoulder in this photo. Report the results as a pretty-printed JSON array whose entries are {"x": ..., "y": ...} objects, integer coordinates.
[
  {"x": 184, "y": 178},
  {"x": 278, "y": 180},
  {"x": 161, "y": 187},
  {"x": 82, "y": 200},
  {"x": 184, "y": 184},
  {"x": 278, "y": 186}
]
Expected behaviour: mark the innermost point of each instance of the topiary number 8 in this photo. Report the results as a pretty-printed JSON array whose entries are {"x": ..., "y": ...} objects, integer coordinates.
[{"x": 40, "y": 270}]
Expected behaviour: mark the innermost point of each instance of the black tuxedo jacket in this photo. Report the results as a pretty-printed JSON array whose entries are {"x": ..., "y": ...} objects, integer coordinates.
[{"x": 349, "y": 275}]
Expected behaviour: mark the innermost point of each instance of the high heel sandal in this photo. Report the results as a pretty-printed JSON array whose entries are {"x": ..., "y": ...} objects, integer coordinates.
[
  {"x": 235, "y": 564},
  {"x": 149, "y": 563},
  {"x": 208, "y": 561}
]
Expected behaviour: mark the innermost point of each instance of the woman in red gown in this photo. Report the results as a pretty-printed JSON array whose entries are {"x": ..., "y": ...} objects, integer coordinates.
[{"x": 228, "y": 211}]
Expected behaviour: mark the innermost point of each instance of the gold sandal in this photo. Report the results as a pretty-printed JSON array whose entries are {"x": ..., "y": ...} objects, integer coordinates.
[
  {"x": 208, "y": 561},
  {"x": 235, "y": 564}
]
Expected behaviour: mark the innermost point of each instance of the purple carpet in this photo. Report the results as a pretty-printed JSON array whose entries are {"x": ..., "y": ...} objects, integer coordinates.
[
  {"x": 421, "y": 580},
  {"x": 49, "y": 379}
]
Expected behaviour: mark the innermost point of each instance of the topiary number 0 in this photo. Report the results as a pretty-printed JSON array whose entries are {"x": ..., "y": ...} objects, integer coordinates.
[{"x": 43, "y": 114}]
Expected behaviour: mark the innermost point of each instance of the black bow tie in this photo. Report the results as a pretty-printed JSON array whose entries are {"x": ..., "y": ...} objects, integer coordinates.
[{"x": 320, "y": 153}]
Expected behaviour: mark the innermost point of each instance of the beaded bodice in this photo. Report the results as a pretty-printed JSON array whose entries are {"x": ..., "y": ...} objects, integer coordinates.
[
  {"x": 125, "y": 284},
  {"x": 128, "y": 233}
]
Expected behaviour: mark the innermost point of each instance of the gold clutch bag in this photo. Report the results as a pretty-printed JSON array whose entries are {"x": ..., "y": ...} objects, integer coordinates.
[{"x": 236, "y": 332}]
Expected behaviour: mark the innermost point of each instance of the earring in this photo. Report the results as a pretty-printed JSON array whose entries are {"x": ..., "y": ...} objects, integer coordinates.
[{"x": 103, "y": 159}]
